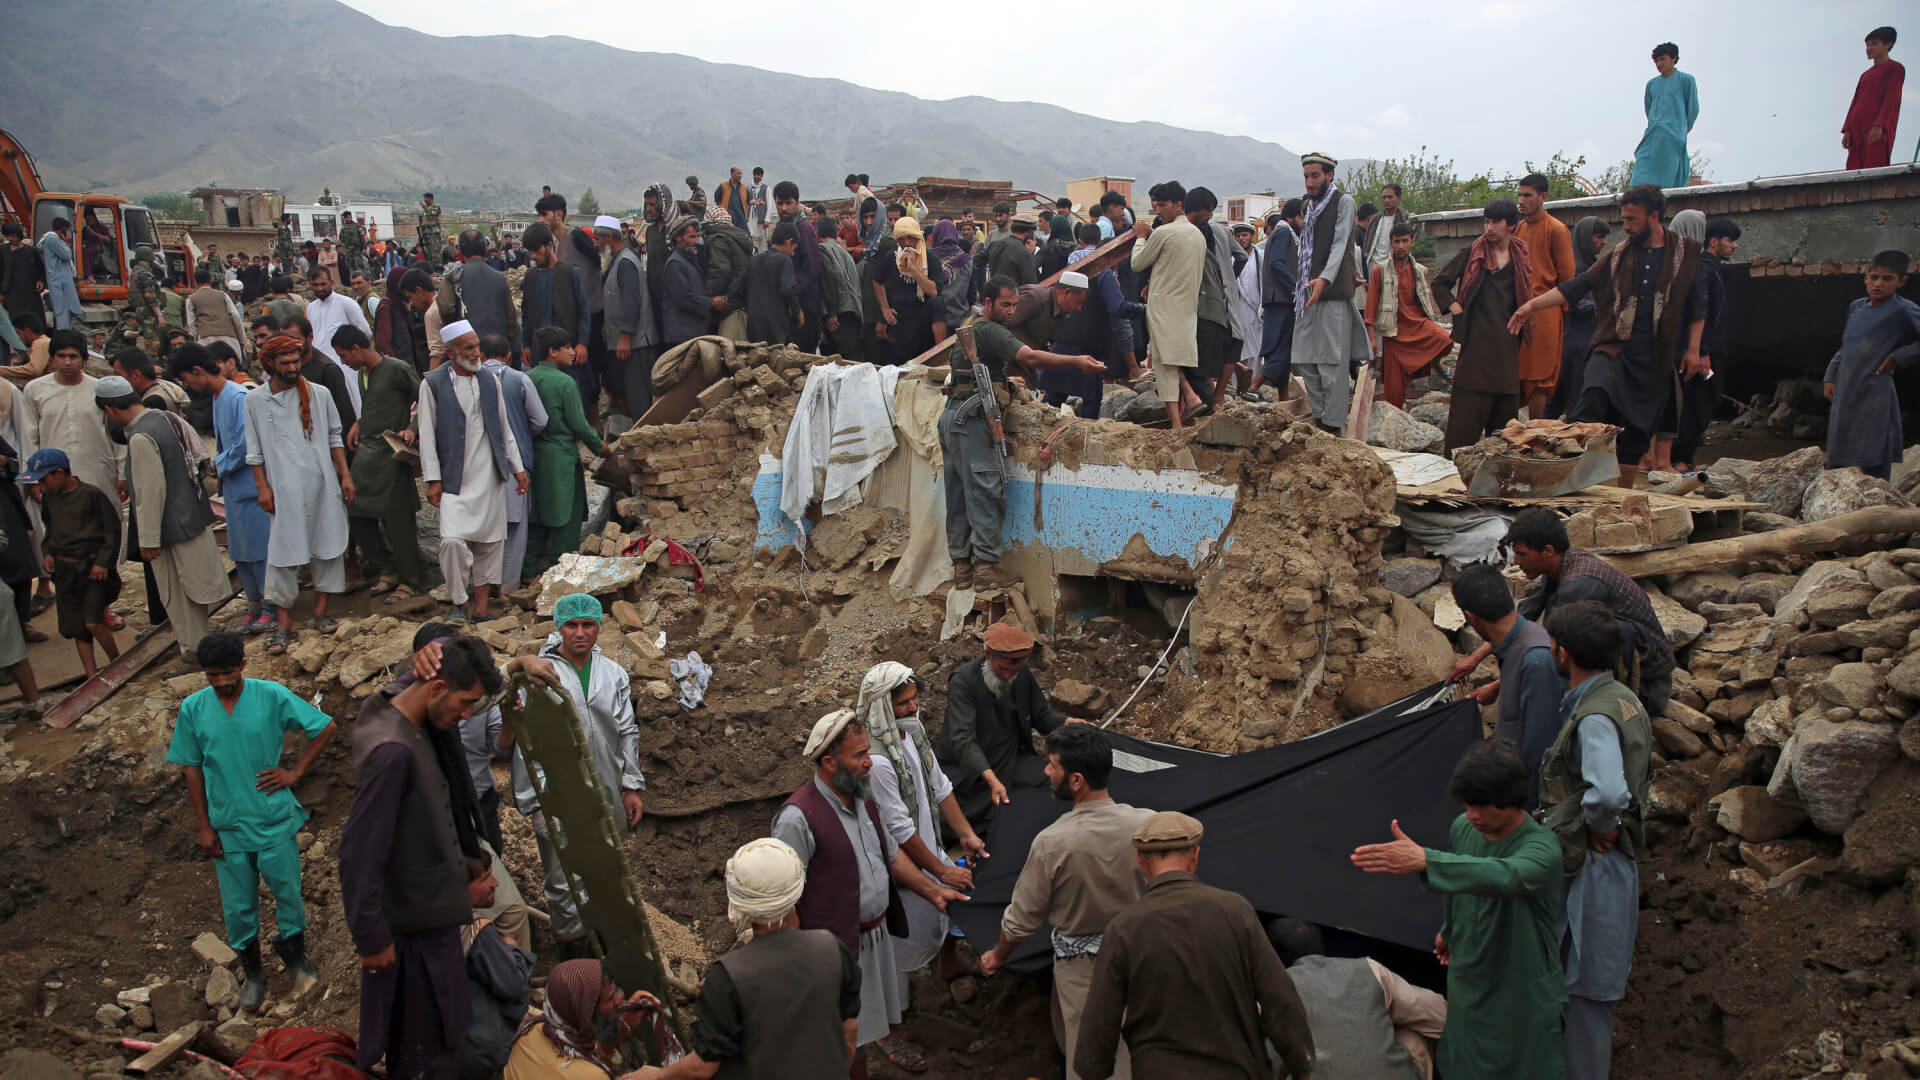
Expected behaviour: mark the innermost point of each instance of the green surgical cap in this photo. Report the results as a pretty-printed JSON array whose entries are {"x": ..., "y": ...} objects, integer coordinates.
[{"x": 576, "y": 606}]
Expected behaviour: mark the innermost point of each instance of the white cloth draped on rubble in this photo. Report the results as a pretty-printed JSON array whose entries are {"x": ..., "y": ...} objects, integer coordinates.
[{"x": 842, "y": 430}]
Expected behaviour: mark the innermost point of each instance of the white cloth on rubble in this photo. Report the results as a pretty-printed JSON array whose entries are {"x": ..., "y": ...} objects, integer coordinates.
[
  {"x": 841, "y": 431},
  {"x": 916, "y": 465}
]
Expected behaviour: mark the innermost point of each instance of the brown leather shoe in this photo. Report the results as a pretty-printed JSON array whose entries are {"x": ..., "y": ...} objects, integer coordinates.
[{"x": 963, "y": 573}]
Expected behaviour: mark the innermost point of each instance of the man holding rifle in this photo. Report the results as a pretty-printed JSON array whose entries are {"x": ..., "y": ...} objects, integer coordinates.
[{"x": 973, "y": 437}]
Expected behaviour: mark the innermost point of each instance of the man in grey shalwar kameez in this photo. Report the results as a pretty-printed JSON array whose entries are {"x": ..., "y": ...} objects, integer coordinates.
[
  {"x": 1328, "y": 333},
  {"x": 1593, "y": 783}
]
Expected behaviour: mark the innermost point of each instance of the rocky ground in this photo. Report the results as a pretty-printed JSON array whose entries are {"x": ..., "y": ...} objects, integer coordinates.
[{"x": 1781, "y": 906}]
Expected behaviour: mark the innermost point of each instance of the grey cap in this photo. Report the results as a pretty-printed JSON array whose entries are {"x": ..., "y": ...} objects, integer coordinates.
[{"x": 113, "y": 389}]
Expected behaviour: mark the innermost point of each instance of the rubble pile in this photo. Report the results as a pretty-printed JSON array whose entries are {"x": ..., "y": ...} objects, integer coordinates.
[{"x": 1291, "y": 611}]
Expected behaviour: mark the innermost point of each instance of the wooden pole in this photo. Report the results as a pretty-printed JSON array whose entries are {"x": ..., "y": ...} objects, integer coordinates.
[{"x": 1829, "y": 535}]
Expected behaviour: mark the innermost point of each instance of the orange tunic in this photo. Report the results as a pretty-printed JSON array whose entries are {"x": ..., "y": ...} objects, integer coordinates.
[
  {"x": 1417, "y": 342},
  {"x": 1551, "y": 246}
]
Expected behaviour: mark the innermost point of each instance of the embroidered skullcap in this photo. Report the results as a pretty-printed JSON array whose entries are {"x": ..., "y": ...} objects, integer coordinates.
[{"x": 453, "y": 331}]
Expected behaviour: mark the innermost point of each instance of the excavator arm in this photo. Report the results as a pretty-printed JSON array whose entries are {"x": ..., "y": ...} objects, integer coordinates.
[{"x": 19, "y": 180}]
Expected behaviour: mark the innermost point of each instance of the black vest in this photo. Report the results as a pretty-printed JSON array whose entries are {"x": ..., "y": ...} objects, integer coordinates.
[
  {"x": 788, "y": 983},
  {"x": 423, "y": 887},
  {"x": 1342, "y": 284}
]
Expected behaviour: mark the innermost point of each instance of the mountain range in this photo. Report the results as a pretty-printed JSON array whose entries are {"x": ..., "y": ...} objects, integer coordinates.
[{"x": 141, "y": 96}]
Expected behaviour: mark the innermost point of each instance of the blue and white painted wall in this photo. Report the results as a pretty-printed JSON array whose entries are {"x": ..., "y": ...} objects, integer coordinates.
[{"x": 1089, "y": 515}]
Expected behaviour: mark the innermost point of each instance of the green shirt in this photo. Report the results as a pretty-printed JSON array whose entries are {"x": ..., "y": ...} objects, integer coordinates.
[
  {"x": 560, "y": 493},
  {"x": 1506, "y": 997},
  {"x": 231, "y": 750},
  {"x": 996, "y": 345},
  {"x": 383, "y": 485}
]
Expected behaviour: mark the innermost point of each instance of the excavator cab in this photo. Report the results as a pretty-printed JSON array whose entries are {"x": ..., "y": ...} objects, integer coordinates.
[{"x": 106, "y": 230}]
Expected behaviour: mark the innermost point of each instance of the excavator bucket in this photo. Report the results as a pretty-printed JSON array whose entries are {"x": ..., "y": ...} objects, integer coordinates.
[{"x": 574, "y": 803}]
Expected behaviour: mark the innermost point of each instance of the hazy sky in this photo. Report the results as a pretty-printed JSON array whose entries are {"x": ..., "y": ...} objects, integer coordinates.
[{"x": 1489, "y": 84}]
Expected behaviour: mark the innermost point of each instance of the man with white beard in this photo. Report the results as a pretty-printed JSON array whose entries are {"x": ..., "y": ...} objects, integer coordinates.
[{"x": 468, "y": 455}]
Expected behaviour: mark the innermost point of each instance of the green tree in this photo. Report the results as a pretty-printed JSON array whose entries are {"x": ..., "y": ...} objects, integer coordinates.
[
  {"x": 1430, "y": 183},
  {"x": 174, "y": 206},
  {"x": 589, "y": 204}
]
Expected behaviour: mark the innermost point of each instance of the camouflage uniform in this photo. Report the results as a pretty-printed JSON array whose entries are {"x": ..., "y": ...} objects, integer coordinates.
[
  {"x": 353, "y": 250},
  {"x": 283, "y": 247},
  {"x": 143, "y": 302},
  {"x": 430, "y": 240},
  {"x": 696, "y": 202}
]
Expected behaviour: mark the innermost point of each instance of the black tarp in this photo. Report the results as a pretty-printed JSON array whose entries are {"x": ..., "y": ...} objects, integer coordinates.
[{"x": 1281, "y": 822}]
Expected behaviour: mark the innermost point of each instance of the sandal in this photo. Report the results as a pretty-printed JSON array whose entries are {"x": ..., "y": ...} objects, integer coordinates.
[
  {"x": 277, "y": 641},
  {"x": 40, "y": 604},
  {"x": 384, "y": 586},
  {"x": 400, "y": 594},
  {"x": 903, "y": 1054},
  {"x": 114, "y": 621},
  {"x": 326, "y": 624},
  {"x": 33, "y": 634}
]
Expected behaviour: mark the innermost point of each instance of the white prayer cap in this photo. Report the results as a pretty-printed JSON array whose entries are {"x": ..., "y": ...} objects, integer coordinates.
[
  {"x": 827, "y": 731},
  {"x": 234, "y": 286},
  {"x": 1073, "y": 279},
  {"x": 764, "y": 881},
  {"x": 607, "y": 222},
  {"x": 453, "y": 331}
]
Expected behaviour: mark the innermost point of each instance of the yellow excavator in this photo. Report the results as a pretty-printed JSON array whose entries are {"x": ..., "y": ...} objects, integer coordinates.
[{"x": 106, "y": 228}]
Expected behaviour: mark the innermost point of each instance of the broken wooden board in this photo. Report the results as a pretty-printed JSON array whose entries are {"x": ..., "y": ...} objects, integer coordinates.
[
  {"x": 168, "y": 1048},
  {"x": 1451, "y": 492},
  {"x": 111, "y": 678},
  {"x": 580, "y": 820}
]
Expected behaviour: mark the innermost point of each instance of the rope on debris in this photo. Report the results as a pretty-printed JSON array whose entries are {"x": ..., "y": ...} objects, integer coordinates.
[{"x": 1155, "y": 670}]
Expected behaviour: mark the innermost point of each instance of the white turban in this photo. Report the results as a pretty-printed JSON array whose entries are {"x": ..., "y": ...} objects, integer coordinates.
[
  {"x": 452, "y": 332},
  {"x": 826, "y": 732},
  {"x": 764, "y": 881},
  {"x": 876, "y": 708}
]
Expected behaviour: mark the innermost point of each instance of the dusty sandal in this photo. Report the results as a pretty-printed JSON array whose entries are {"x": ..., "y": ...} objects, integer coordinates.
[
  {"x": 903, "y": 1054},
  {"x": 277, "y": 642}
]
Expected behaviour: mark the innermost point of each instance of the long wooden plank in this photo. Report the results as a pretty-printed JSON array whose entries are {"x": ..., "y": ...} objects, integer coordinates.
[
  {"x": 111, "y": 678},
  {"x": 166, "y": 1049},
  {"x": 1828, "y": 535}
]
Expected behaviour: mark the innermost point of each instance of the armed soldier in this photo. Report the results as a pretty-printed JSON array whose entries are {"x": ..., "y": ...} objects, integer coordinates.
[
  {"x": 431, "y": 240},
  {"x": 145, "y": 307},
  {"x": 353, "y": 247},
  {"x": 973, "y": 438},
  {"x": 283, "y": 244}
]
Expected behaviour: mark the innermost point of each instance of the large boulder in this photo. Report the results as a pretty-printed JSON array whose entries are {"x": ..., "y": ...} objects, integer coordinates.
[
  {"x": 1905, "y": 676},
  {"x": 1704, "y": 587},
  {"x": 1727, "y": 478},
  {"x": 1771, "y": 724},
  {"x": 1749, "y": 813},
  {"x": 1791, "y": 609},
  {"x": 1890, "y": 632},
  {"x": 1763, "y": 589},
  {"x": 1432, "y": 412},
  {"x": 1682, "y": 626},
  {"x": 1841, "y": 602},
  {"x": 1884, "y": 841},
  {"x": 1782, "y": 482},
  {"x": 1393, "y": 429},
  {"x": 1827, "y": 766},
  {"x": 1410, "y": 577},
  {"x": 1841, "y": 491},
  {"x": 1851, "y": 686}
]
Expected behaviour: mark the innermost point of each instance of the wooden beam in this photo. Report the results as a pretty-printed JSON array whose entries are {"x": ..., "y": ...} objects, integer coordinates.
[
  {"x": 165, "y": 1050},
  {"x": 1105, "y": 257},
  {"x": 1829, "y": 535}
]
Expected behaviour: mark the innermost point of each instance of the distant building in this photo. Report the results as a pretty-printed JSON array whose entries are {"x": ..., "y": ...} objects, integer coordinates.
[
  {"x": 1086, "y": 192},
  {"x": 314, "y": 221},
  {"x": 1251, "y": 208},
  {"x": 239, "y": 220}
]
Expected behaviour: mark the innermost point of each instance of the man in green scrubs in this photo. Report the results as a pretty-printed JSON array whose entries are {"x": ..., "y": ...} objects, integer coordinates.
[
  {"x": 229, "y": 736},
  {"x": 1500, "y": 941}
]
